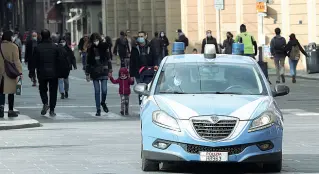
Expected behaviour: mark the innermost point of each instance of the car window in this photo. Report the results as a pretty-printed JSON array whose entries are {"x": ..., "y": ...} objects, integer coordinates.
[{"x": 196, "y": 78}]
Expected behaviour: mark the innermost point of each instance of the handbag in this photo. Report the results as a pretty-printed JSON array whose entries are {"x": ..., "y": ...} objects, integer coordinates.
[{"x": 10, "y": 68}]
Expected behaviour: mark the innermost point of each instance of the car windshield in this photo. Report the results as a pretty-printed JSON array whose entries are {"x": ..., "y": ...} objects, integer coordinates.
[{"x": 210, "y": 78}]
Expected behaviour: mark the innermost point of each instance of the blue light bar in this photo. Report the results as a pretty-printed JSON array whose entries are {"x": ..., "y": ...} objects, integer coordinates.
[{"x": 178, "y": 48}]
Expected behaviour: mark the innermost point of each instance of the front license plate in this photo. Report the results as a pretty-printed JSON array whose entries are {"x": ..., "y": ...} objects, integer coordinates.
[{"x": 214, "y": 156}]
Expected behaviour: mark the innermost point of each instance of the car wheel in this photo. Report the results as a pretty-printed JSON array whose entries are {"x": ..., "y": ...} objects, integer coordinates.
[
  {"x": 149, "y": 166},
  {"x": 273, "y": 167}
]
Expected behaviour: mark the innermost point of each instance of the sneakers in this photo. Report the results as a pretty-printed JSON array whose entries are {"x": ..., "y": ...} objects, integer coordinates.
[
  {"x": 66, "y": 94},
  {"x": 294, "y": 79},
  {"x": 12, "y": 114},
  {"x": 52, "y": 113},
  {"x": 45, "y": 109},
  {"x": 62, "y": 96},
  {"x": 98, "y": 113},
  {"x": 105, "y": 108}
]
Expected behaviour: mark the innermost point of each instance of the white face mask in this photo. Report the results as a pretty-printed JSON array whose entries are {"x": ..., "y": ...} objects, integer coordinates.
[
  {"x": 63, "y": 43},
  {"x": 162, "y": 34},
  {"x": 13, "y": 39},
  {"x": 209, "y": 35},
  {"x": 96, "y": 43}
]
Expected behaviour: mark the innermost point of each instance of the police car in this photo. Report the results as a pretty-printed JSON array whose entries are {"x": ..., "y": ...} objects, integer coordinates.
[{"x": 210, "y": 108}]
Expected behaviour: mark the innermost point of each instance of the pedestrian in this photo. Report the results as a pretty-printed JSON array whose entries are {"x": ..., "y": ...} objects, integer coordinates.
[
  {"x": 250, "y": 44},
  {"x": 165, "y": 44},
  {"x": 98, "y": 67},
  {"x": 293, "y": 49},
  {"x": 9, "y": 52},
  {"x": 125, "y": 81},
  {"x": 228, "y": 43},
  {"x": 64, "y": 84},
  {"x": 195, "y": 51},
  {"x": 29, "y": 50},
  {"x": 47, "y": 63},
  {"x": 209, "y": 39},
  {"x": 129, "y": 39},
  {"x": 121, "y": 48},
  {"x": 83, "y": 46},
  {"x": 156, "y": 48},
  {"x": 140, "y": 57},
  {"x": 277, "y": 49},
  {"x": 16, "y": 40},
  {"x": 182, "y": 38}
]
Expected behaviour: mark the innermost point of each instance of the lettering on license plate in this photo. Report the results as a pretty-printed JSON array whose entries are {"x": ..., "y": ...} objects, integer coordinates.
[{"x": 214, "y": 156}]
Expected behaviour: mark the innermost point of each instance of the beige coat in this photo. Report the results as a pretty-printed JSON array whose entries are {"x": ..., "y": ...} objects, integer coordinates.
[{"x": 11, "y": 53}]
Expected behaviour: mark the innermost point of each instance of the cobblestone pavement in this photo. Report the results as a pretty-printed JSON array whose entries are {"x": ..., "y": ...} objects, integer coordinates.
[{"x": 76, "y": 142}]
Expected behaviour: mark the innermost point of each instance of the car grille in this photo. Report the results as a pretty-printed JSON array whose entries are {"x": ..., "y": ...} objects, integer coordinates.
[
  {"x": 214, "y": 131},
  {"x": 232, "y": 150}
]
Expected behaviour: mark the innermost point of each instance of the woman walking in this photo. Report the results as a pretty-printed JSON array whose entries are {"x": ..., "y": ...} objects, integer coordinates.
[
  {"x": 165, "y": 43},
  {"x": 228, "y": 43},
  {"x": 293, "y": 48},
  {"x": 98, "y": 68},
  {"x": 9, "y": 52}
]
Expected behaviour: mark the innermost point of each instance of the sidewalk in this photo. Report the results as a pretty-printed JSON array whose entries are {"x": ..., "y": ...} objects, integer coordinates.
[
  {"x": 300, "y": 74},
  {"x": 22, "y": 121}
]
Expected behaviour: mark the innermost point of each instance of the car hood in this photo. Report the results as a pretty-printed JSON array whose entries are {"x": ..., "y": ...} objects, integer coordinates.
[{"x": 190, "y": 105}]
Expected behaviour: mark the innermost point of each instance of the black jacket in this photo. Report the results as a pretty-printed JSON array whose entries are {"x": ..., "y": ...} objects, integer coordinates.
[
  {"x": 45, "y": 60},
  {"x": 70, "y": 56},
  {"x": 140, "y": 56},
  {"x": 294, "y": 42},
  {"x": 103, "y": 65},
  {"x": 29, "y": 51},
  {"x": 183, "y": 38},
  {"x": 228, "y": 45},
  {"x": 121, "y": 47},
  {"x": 156, "y": 46},
  {"x": 209, "y": 40}
]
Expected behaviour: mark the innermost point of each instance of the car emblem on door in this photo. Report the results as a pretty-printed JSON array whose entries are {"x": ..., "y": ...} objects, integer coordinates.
[{"x": 214, "y": 119}]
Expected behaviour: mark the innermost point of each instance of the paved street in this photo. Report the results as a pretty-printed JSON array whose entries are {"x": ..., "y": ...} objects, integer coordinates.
[{"x": 78, "y": 142}]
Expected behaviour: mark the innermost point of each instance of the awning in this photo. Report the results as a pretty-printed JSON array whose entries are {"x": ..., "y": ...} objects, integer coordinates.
[
  {"x": 75, "y": 18},
  {"x": 53, "y": 15}
]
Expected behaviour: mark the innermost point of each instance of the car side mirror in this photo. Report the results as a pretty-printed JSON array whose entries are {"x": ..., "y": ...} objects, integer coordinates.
[
  {"x": 281, "y": 90},
  {"x": 141, "y": 89}
]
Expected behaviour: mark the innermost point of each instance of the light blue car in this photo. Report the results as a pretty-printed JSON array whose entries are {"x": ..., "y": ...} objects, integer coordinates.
[{"x": 217, "y": 110}]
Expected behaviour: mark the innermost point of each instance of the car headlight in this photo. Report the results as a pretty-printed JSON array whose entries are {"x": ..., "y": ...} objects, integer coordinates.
[
  {"x": 162, "y": 119},
  {"x": 264, "y": 121}
]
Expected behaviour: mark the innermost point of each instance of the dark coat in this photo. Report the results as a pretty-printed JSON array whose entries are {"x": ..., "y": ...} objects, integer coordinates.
[
  {"x": 45, "y": 60},
  {"x": 102, "y": 66},
  {"x": 294, "y": 42},
  {"x": 70, "y": 56},
  {"x": 121, "y": 47},
  {"x": 29, "y": 51},
  {"x": 140, "y": 56}
]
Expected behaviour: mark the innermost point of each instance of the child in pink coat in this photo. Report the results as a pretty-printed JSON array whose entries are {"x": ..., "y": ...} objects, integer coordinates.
[{"x": 125, "y": 82}]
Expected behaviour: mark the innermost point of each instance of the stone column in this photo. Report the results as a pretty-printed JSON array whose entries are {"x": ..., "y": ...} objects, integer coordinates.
[
  {"x": 184, "y": 5},
  {"x": 285, "y": 23},
  {"x": 140, "y": 15},
  {"x": 153, "y": 15},
  {"x": 239, "y": 14},
  {"x": 201, "y": 19},
  {"x": 312, "y": 18},
  {"x": 115, "y": 20},
  {"x": 104, "y": 16}
]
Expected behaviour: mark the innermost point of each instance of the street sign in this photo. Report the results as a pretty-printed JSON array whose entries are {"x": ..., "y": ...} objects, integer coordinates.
[
  {"x": 261, "y": 7},
  {"x": 219, "y": 4}
]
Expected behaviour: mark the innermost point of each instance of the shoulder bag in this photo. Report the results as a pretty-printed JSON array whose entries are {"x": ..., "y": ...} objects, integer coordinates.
[{"x": 10, "y": 68}]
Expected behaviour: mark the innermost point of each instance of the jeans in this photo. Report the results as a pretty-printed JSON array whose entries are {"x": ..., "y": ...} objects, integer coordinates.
[
  {"x": 83, "y": 56},
  {"x": 53, "y": 91},
  {"x": 280, "y": 67},
  {"x": 293, "y": 67},
  {"x": 100, "y": 89},
  {"x": 64, "y": 85}
]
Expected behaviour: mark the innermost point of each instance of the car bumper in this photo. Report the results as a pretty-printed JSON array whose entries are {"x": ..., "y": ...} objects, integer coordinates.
[{"x": 246, "y": 148}]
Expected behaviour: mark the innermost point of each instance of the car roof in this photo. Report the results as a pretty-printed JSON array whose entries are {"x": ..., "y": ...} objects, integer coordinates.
[{"x": 220, "y": 58}]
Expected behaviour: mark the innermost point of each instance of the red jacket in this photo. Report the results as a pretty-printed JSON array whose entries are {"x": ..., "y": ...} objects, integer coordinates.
[{"x": 124, "y": 84}]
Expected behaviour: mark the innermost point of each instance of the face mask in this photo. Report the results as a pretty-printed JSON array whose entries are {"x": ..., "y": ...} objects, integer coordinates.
[
  {"x": 34, "y": 38},
  {"x": 162, "y": 35},
  {"x": 96, "y": 43},
  {"x": 63, "y": 43},
  {"x": 141, "y": 40},
  {"x": 13, "y": 39},
  {"x": 209, "y": 35}
]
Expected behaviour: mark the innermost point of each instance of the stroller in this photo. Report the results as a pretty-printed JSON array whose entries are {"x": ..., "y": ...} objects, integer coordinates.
[{"x": 146, "y": 76}]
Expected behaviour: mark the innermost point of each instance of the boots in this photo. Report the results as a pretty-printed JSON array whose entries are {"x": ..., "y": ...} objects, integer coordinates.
[
  {"x": 62, "y": 96},
  {"x": 12, "y": 114},
  {"x": 293, "y": 79}
]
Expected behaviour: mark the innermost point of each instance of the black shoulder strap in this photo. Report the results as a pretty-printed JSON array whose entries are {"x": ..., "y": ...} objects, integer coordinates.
[{"x": 2, "y": 52}]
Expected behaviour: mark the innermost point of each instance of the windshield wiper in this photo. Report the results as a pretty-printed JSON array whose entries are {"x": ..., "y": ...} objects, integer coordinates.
[
  {"x": 237, "y": 93},
  {"x": 172, "y": 92}
]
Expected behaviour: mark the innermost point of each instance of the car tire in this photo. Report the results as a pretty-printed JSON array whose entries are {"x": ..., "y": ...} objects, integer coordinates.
[
  {"x": 149, "y": 166},
  {"x": 274, "y": 167}
]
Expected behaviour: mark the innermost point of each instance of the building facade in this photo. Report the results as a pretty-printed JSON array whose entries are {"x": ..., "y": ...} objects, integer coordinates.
[{"x": 194, "y": 17}]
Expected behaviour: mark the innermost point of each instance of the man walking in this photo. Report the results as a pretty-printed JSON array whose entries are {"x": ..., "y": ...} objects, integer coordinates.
[
  {"x": 29, "y": 48},
  {"x": 250, "y": 44},
  {"x": 122, "y": 48},
  {"x": 156, "y": 49},
  {"x": 277, "y": 49},
  {"x": 46, "y": 62}
]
